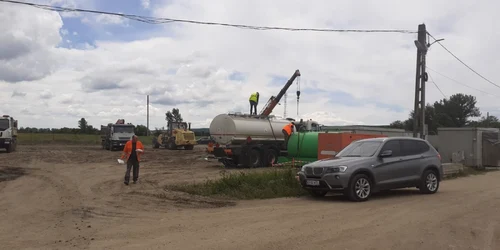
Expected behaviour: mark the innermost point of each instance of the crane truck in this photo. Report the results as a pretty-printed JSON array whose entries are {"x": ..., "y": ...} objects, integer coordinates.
[
  {"x": 114, "y": 136},
  {"x": 254, "y": 140},
  {"x": 8, "y": 133}
]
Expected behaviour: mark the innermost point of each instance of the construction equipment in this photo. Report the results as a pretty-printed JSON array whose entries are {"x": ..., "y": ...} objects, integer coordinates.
[
  {"x": 274, "y": 100},
  {"x": 8, "y": 133},
  {"x": 178, "y": 135},
  {"x": 114, "y": 136},
  {"x": 251, "y": 141}
]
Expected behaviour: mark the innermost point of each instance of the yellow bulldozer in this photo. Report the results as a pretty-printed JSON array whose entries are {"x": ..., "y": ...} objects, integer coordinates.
[{"x": 178, "y": 135}]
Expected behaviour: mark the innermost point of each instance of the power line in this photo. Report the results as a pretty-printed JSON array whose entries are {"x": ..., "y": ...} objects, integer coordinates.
[
  {"x": 456, "y": 57},
  {"x": 435, "y": 84},
  {"x": 155, "y": 20},
  {"x": 463, "y": 84},
  {"x": 449, "y": 100}
]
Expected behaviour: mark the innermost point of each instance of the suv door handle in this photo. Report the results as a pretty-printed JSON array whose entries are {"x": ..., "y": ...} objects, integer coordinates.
[{"x": 400, "y": 159}]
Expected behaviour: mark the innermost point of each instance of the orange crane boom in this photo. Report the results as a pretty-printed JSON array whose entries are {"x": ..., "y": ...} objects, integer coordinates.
[{"x": 274, "y": 100}]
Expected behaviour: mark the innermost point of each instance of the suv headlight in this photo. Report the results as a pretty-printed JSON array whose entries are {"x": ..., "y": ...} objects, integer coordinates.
[
  {"x": 337, "y": 169},
  {"x": 303, "y": 168}
]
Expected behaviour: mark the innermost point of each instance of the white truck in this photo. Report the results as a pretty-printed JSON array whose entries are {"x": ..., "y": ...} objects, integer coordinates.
[
  {"x": 8, "y": 133},
  {"x": 114, "y": 136}
]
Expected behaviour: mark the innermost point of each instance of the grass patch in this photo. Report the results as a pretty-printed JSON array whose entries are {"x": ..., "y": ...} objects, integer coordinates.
[
  {"x": 76, "y": 139},
  {"x": 247, "y": 185}
]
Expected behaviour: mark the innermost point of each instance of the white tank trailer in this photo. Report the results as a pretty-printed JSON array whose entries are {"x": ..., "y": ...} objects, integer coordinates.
[{"x": 250, "y": 141}]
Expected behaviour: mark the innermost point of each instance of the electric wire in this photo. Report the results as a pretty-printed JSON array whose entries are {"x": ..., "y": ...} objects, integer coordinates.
[
  {"x": 456, "y": 57},
  {"x": 463, "y": 84},
  {"x": 444, "y": 95},
  {"x": 435, "y": 84},
  {"x": 162, "y": 20}
]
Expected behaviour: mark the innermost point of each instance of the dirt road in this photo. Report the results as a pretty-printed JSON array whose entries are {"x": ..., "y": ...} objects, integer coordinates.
[{"x": 73, "y": 198}]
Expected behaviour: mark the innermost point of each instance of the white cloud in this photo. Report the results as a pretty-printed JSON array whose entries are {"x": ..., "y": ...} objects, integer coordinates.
[
  {"x": 108, "y": 19},
  {"x": 192, "y": 68},
  {"x": 145, "y": 4}
]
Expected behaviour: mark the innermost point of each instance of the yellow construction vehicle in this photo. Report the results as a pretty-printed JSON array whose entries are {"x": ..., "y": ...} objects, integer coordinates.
[{"x": 178, "y": 135}]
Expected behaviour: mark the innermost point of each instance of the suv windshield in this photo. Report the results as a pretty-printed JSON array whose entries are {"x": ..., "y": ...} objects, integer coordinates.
[
  {"x": 123, "y": 129},
  {"x": 4, "y": 124},
  {"x": 360, "y": 149}
]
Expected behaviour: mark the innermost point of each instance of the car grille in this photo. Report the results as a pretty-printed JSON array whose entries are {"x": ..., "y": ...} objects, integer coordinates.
[
  {"x": 124, "y": 138},
  {"x": 310, "y": 171}
]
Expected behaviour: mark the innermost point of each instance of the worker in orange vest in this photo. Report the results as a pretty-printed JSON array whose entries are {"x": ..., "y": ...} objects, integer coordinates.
[
  {"x": 132, "y": 153},
  {"x": 287, "y": 132}
]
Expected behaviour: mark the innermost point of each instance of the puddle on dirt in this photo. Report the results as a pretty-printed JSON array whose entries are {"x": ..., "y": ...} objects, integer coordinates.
[{"x": 10, "y": 173}]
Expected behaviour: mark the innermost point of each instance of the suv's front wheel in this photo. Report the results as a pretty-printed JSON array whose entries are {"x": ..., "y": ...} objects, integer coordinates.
[
  {"x": 360, "y": 188},
  {"x": 429, "y": 183}
]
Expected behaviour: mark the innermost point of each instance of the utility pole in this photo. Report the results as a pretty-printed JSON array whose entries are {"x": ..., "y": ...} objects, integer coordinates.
[
  {"x": 420, "y": 79},
  {"x": 147, "y": 114}
]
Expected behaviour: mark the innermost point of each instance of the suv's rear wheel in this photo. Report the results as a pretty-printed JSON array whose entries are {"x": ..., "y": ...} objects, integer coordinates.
[
  {"x": 360, "y": 188},
  {"x": 429, "y": 183}
]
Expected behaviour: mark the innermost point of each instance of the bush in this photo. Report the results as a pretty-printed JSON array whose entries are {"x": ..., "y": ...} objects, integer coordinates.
[{"x": 248, "y": 185}]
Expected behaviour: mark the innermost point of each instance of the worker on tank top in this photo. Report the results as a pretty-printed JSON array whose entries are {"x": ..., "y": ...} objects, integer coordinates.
[
  {"x": 254, "y": 100},
  {"x": 287, "y": 132}
]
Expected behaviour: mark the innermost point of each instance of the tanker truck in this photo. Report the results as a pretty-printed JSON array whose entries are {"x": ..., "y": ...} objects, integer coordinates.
[{"x": 251, "y": 141}]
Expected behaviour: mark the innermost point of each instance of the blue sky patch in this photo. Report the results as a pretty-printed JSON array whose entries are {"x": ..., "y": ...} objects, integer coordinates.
[
  {"x": 86, "y": 29},
  {"x": 344, "y": 98},
  {"x": 237, "y": 76}
]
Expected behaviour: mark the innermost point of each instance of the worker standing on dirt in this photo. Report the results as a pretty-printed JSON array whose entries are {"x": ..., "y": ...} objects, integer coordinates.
[
  {"x": 131, "y": 152},
  {"x": 287, "y": 132},
  {"x": 254, "y": 100}
]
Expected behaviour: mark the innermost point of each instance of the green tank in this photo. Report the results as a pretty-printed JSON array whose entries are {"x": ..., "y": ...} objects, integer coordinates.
[{"x": 307, "y": 145}]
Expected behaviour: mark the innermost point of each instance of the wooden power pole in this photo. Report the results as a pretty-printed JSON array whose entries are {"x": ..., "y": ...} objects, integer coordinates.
[
  {"x": 147, "y": 114},
  {"x": 420, "y": 79}
]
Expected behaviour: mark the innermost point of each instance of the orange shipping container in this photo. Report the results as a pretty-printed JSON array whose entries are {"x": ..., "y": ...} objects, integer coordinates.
[{"x": 330, "y": 144}]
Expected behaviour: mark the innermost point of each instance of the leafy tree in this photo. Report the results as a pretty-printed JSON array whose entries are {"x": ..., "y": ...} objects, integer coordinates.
[
  {"x": 173, "y": 116},
  {"x": 83, "y": 125},
  {"x": 453, "y": 112},
  {"x": 457, "y": 111},
  {"x": 141, "y": 130},
  {"x": 486, "y": 122}
]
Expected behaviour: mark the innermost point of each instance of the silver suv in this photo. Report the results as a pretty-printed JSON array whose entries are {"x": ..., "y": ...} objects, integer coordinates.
[{"x": 371, "y": 165}]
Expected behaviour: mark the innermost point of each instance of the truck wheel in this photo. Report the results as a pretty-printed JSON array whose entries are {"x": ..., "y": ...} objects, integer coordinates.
[
  {"x": 171, "y": 145},
  {"x": 189, "y": 147},
  {"x": 9, "y": 148},
  {"x": 271, "y": 157},
  {"x": 255, "y": 158}
]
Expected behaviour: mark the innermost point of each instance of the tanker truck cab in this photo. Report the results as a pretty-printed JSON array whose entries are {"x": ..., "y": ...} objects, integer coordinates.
[{"x": 8, "y": 133}]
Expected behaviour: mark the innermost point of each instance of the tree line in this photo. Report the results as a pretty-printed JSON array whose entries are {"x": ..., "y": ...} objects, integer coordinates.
[
  {"x": 456, "y": 111},
  {"x": 84, "y": 128}
]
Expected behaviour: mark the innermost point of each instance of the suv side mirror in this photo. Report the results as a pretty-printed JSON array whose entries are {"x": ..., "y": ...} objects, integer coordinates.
[{"x": 386, "y": 153}]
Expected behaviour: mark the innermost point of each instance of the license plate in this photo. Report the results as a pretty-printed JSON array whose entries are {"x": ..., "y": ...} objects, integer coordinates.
[{"x": 312, "y": 183}]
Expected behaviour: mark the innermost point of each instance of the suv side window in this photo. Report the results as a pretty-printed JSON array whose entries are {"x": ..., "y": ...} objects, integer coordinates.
[
  {"x": 393, "y": 145},
  {"x": 413, "y": 147}
]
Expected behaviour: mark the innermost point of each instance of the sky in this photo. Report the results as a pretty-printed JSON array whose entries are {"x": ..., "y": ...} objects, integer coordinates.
[{"x": 56, "y": 68}]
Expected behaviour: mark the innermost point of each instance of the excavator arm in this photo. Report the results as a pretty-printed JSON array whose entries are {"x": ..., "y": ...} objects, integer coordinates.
[{"x": 274, "y": 100}]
